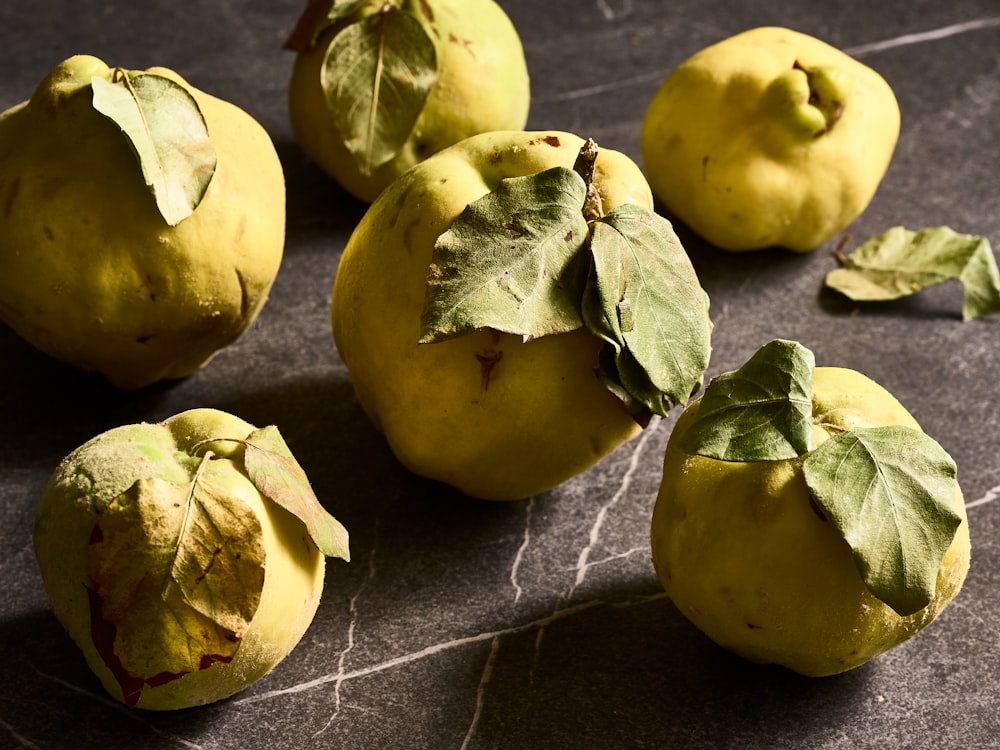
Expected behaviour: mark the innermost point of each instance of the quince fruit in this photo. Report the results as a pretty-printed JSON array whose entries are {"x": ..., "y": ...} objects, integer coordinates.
[
  {"x": 769, "y": 138},
  {"x": 137, "y": 268},
  {"x": 185, "y": 558},
  {"x": 379, "y": 86},
  {"x": 496, "y": 333},
  {"x": 821, "y": 556}
]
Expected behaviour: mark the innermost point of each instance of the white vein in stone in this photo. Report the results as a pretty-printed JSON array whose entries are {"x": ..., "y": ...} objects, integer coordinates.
[
  {"x": 351, "y": 627},
  {"x": 583, "y": 563},
  {"x": 924, "y": 36},
  {"x": 484, "y": 681},
  {"x": 525, "y": 543},
  {"x": 991, "y": 494},
  {"x": 856, "y": 51},
  {"x": 606, "y": 10},
  {"x": 438, "y": 648},
  {"x": 619, "y": 556},
  {"x": 609, "y": 13},
  {"x": 19, "y": 738},
  {"x": 600, "y": 88}
]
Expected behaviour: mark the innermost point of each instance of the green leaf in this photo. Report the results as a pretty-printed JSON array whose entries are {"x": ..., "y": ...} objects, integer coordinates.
[
  {"x": 277, "y": 476},
  {"x": 644, "y": 299},
  {"x": 163, "y": 124},
  {"x": 760, "y": 412},
  {"x": 890, "y": 493},
  {"x": 508, "y": 261},
  {"x": 178, "y": 570},
  {"x": 377, "y": 75},
  {"x": 900, "y": 262}
]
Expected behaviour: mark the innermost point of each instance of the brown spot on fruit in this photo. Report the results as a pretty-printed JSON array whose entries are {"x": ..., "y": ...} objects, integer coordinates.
[
  {"x": 488, "y": 360},
  {"x": 466, "y": 44},
  {"x": 148, "y": 283},
  {"x": 548, "y": 140},
  {"x": 425, "y": 9},
  {"x": 8, "y": 204}
]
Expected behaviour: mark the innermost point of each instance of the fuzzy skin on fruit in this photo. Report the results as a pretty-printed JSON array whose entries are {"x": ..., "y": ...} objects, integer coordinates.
[
  {"x": 91, "y": 274},
  {"x": 746, "y": 556},
  {"x": 93, "y": 475},
  {"x": 769, "y": 138},
  {"x": 494, "y": 416},
  {"x": 482, "y": 85}
]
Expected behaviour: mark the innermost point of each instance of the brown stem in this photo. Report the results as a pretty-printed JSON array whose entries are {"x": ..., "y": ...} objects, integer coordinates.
[
  {"x": 839, "y": 253},
  {"x": 593, "y": 206}
]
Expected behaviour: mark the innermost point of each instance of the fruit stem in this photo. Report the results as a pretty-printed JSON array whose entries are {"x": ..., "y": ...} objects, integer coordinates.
[
  {"x": 593, "y": 206},
  {"x": 838, "y": 251}
]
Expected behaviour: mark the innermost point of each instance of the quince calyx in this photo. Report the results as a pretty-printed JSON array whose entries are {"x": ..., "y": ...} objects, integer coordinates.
[{"x": 813, "y": 99}]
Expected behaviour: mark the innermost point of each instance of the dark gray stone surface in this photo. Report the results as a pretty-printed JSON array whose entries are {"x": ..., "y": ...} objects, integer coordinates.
[{"x": 539, "y": 624}]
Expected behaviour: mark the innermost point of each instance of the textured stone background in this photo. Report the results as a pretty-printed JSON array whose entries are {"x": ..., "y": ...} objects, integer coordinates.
[{"x": 540, "y": 624}]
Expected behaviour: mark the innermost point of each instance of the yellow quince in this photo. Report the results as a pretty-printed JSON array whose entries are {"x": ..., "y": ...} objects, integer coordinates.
[
  {"x": 501, "y": 411},
  {"x": 379, "y": 86},
  {"x": 755, "y": 552},
  {"x": 137, "y": 279},
  {"x": 769, "y": 138},
  {"x": 186, "y": 558}
]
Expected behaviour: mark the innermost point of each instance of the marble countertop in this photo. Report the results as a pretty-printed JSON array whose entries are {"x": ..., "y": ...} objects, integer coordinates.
[{"x": 539, "y": 624}]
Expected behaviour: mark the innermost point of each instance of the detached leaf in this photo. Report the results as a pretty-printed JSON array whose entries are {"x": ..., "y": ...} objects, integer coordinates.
[
  {"x": 507, "y": 261},
  {"x": 178, "y": 572},
  {"x": 168, "y": 134},
  {"x": 900, "y": 262},
  {"x": 377, "y": 76},
  {"x": 644, "y": 299},
  {"x": 760, "y": 412},
  {"x": 277, "y": 476},
  {"x": 889, "y": 491}
]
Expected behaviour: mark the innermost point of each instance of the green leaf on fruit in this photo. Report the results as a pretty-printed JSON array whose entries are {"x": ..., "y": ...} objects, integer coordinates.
[
  {"x": 278, "y": 476},
  {"x": 644, "y": 300},
  {"x": 178, "y": 570},
  {"x": 508, "y": 261},
  {"x": 165, "y": 128},
  {"x": 759, "y": 412},
  {"x": 377, "y": 75},
  {"x": 900, "y": 262},
  {"x": 890, "y": 491}
]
